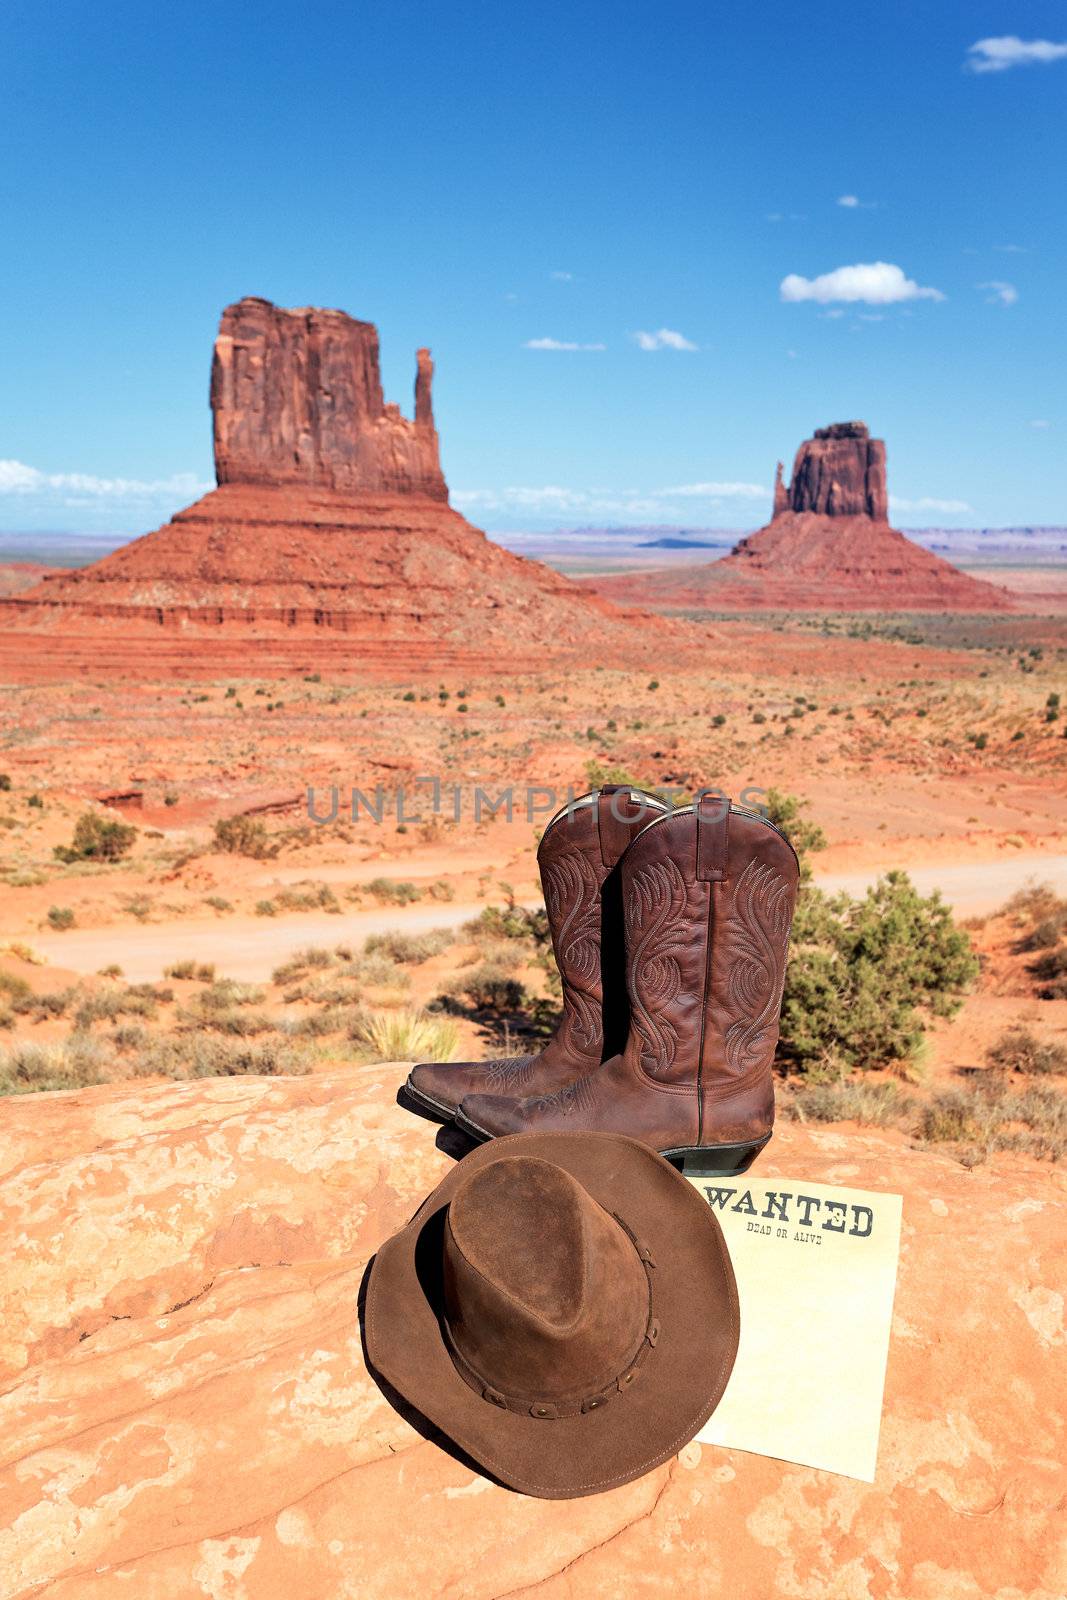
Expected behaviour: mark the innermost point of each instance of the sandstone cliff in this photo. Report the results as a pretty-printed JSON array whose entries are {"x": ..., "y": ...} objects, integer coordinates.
[
  {"x": 839, "y": 473},
  {"x": 296, "y": 398}
]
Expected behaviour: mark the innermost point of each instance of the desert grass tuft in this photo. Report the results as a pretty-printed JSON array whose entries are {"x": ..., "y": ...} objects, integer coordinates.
[{"x": 408, "y": 1035}]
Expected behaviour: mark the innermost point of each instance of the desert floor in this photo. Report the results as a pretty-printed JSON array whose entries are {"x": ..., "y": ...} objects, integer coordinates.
[{"x": 929, "y": 744}]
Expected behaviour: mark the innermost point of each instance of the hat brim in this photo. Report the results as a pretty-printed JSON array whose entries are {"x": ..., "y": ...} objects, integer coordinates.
[{"x": 681, "y": 1382}]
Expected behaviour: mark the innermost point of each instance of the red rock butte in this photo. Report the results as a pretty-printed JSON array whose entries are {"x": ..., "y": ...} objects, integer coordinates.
[
  {"x": 827, "y": 547},
  {"x": 330, "y": 525}
]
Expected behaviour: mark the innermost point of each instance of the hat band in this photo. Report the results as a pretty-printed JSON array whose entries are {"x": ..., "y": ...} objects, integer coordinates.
[{"x": 550, "y": 1410}]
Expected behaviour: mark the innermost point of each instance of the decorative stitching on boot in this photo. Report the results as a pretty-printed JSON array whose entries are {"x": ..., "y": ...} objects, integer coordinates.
[
  {"x": 758, "y": 939},
  {"x": 578, "y": 1096},
  {"x": 655, "y": 929},
  {"x": 508, "y": 1074},
  {"x": 572, "y": 897}
]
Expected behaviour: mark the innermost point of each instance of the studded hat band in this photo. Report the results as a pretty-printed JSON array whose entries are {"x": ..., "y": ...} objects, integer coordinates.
[{"x": 551, "y": 1410}]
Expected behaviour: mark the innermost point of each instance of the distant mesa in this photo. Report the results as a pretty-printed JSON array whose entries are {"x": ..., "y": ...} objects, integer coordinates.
[
  {"x": 827, "y": 547},
  {"x": 331, "y": 515}
]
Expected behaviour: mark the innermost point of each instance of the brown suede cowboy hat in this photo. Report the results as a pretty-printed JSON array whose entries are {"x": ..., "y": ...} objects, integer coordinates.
[{"x": 562, "y": 1307}]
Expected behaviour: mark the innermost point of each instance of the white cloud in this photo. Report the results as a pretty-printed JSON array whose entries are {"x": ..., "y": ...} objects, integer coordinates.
[
  {"x": 719, "y": 491},
  {"x": 74, "y": 488},
  {"x": 849, "y": 201},
  {"x": 1002, "y": 294},
  {"x": 664, "y": 339},
  {"x": 878, "y": 283},
  {"x": 560, "y": 344},
  {"x": 998, "y": 55},
  {"x": 554, "y": 500},
  {"x": 1040, "y": 422},
  {"x": 926, "y": 503},
  {"x": 562, "y": 277}
]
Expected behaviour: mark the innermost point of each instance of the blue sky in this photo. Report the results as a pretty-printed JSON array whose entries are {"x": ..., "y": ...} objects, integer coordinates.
[{"x": 661, "y": 186}]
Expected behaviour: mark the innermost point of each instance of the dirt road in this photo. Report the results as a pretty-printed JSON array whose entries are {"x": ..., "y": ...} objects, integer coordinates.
[
  {"x": 972, "y": 889},
  {"x": 248, "y": 948}
]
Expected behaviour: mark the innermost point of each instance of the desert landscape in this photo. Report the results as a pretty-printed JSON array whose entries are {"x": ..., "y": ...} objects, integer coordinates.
[
  {"x": 274, "y": 775},
  {"x": 320, "y": 708}
]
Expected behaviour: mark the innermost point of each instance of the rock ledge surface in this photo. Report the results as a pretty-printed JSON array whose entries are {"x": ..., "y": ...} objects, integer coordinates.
[{"x": 185, "y": 1409}]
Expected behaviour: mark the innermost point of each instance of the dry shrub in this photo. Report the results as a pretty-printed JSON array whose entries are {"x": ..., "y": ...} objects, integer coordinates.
[
  {"x": 990, "y": 1117},
  {"x": 874, "y": 1105},
  {"x": 410, "y": 949},
  {"x": 203, "y": 1055},
  {"x": 1020, "y": 1050},
  {"x": 75, "y": 1063}
]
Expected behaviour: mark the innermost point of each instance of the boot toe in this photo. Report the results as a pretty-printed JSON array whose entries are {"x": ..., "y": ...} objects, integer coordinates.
[
  {"x": 491, "y": 1115},
  {"x": 438, "y": 1086}
]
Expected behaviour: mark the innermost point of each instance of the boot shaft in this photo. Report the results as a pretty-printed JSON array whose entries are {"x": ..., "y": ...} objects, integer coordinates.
[
  {"x": 709, "y": 892},
  {"x": 578, "y": 860}
]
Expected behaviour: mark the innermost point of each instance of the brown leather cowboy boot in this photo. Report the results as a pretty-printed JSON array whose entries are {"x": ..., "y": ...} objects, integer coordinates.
[
  {"x": 708, "y": 894},
  {"x": 577, "y": 858}
]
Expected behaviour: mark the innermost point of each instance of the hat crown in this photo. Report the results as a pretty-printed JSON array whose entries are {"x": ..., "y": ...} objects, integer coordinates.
[{"x": 546, "y": 1296}]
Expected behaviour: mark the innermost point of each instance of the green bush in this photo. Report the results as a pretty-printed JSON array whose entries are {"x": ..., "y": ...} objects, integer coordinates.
[
  {"x": 509, "y": 922},
  {"x": 489, "y": 987},
  {"x": 784, "y": 810},
  {"x": 17, "y": 991},
  {"x": 5, "y": 782},
  {"x": 394, "y": 891},
  {"x": 864, "y": 975},
  {"x": 97, "y": 838},
  {"x": 60, "y": 917},
  {"x": 244, "y": 836}
]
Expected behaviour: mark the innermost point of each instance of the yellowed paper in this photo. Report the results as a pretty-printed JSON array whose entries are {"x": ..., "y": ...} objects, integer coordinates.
[{"x": 816, "y": 1268}]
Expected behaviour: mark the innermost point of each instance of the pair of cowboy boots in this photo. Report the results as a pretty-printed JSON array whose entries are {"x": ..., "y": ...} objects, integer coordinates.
[{"x": 670, "y": 930}]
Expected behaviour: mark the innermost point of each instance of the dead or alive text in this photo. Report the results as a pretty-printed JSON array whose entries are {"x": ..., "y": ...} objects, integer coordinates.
[{"x": 782, "y": 1206}]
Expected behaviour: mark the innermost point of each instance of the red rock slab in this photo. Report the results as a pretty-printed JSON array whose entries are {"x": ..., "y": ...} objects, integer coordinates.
[{"x": 186, "y": 1410}]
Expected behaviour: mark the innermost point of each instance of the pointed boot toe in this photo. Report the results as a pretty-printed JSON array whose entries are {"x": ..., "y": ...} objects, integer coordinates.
[{"x": 490, "y": 1116}]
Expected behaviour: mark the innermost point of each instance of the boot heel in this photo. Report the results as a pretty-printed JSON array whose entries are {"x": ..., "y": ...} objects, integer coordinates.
[{"x": 721, "y": 1159}]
